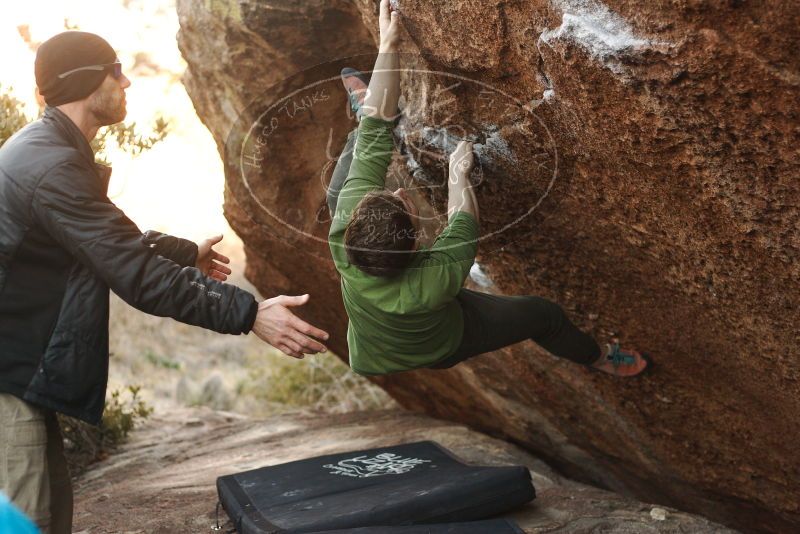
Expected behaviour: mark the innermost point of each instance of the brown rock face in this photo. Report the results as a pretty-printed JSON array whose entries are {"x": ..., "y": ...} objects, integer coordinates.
[{"x": 637, "y": 166}]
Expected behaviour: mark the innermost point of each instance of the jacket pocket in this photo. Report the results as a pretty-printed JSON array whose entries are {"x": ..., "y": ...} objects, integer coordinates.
[
  {"x": 73, "y": 372},
  {"x": 74, "y": 365}
]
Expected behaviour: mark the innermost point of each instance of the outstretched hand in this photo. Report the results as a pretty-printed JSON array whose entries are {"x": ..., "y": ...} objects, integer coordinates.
[
  {"x": 462, "y": 160},
  {"x": 279, "y": 327},
  {"x": 389, "y": 25},
  {"x": 210, "y": 262},
  {"x": 460, "y": 191}
]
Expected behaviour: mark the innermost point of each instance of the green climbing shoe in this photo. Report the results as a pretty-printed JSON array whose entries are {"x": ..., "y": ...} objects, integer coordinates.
[{"x": 621, "y": 362}]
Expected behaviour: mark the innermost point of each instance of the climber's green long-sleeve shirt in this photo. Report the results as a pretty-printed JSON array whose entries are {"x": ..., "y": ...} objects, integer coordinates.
[{"x": 412, "y": 320}]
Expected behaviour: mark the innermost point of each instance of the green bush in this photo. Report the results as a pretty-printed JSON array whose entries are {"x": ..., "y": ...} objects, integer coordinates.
[
  {"x": 126, "y": 136},
  {"x": 162, "y": 361},
  {"x": 12, "y": 116},
  {"x": 120, "y": 416},
  {"x": 85, "y": 443},
  {"x": 320, "y": 382}
]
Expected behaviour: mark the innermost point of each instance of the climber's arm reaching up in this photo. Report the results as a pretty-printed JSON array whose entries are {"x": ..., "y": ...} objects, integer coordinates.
[
  {"x": 443, "y": 270},
  {"x": 374, "y": 146},
  {"x": 384, "y": 86}
]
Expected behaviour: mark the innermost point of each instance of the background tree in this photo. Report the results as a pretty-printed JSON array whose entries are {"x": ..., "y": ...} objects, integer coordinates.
[{"x": 126, "y": 136}]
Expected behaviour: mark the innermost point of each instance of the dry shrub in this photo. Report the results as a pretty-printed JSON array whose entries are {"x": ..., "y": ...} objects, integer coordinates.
[{"x": 85, "y": 444}]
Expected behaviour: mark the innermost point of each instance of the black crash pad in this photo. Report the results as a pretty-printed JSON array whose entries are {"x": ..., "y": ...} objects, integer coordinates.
[
  {"x": 492, "y": 526},
  {"x": 411, "y": 484}
]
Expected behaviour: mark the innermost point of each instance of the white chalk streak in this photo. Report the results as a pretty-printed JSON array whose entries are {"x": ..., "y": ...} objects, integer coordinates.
[
  {"x": 597, "y": 29},
  {"x": 479, "y": 276}
]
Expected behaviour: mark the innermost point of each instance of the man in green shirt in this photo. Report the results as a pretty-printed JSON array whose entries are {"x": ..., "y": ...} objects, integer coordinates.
[{"x": 406, "y": 304}]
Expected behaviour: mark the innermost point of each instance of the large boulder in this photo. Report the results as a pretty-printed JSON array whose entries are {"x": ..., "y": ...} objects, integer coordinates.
[{"x": 637, "y": 164}]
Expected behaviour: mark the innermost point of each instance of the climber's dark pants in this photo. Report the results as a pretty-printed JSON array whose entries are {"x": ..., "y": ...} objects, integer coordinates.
[
  {"x": 492, "y": 322},
  {"x": 341, "y": 170}
]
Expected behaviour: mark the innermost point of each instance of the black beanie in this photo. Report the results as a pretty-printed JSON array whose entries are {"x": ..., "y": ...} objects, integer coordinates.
[{"x": 67, "y": 51}]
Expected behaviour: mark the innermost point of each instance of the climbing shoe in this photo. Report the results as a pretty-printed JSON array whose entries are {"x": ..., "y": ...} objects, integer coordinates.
[
  {"x": 621, "y": 362},
  {"x": 356, "y": 84}
]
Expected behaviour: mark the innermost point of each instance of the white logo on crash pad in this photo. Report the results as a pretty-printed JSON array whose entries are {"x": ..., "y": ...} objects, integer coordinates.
[{"x": 382, "y": 464}]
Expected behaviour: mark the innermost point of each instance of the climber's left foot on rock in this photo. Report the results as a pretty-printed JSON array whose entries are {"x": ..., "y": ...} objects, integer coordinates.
[
  {"x": 621, "y": 362},
  {"x": 356, "y": 84}
]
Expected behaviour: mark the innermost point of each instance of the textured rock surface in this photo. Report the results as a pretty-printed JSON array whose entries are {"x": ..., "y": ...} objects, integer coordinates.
[
  {"x": 639, "y": 166},
  {"x": 167, "y": 473}
]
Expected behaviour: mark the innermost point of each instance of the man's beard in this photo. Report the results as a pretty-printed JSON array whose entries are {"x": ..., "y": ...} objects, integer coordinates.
[{"x": 108, "y": 108}]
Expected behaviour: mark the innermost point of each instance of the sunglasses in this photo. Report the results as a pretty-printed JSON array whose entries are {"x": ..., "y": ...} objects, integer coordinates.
[{"x": 116, "y": 69}]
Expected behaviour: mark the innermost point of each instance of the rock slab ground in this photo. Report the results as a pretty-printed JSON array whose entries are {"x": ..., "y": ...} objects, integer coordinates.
[{"x": 163, "y": 480}]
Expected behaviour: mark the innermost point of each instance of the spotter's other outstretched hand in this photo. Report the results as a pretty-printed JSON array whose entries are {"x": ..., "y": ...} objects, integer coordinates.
[{"x": 210, "y": 262}]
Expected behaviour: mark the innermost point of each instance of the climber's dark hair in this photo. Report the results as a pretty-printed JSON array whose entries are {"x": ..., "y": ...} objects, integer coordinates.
[{"x": 380, "y": 236}]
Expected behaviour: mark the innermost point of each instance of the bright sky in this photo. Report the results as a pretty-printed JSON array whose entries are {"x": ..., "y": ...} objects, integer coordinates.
[{"x": 177, "y": 186}]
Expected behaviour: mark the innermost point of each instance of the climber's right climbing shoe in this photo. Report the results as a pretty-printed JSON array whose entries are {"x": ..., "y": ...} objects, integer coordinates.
[
  {"x": 621, "y": 362},
  {"x": 356, "y": 85}
]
